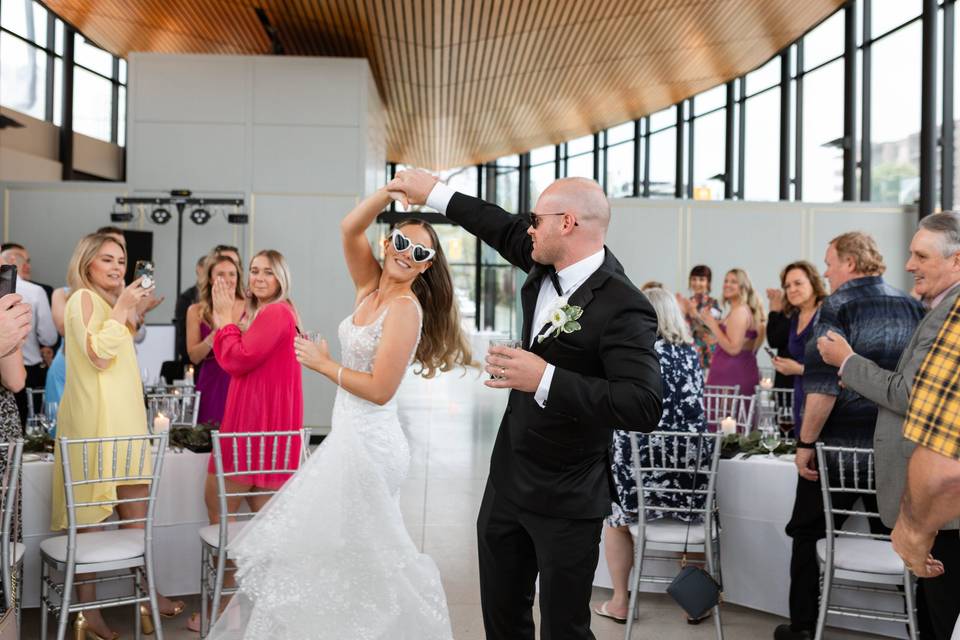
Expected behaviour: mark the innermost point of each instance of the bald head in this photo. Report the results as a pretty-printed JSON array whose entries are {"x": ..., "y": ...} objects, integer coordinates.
[{"x": 582, "y": 197}]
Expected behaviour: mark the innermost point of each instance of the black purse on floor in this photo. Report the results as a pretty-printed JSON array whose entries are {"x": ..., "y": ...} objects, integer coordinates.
[{"x": 694, "y": 589}]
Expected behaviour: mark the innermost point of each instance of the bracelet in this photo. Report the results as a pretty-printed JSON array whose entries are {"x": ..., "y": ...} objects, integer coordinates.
[
  {"x": 340, "y": 377},
  {"x": 805, "y": 445}
]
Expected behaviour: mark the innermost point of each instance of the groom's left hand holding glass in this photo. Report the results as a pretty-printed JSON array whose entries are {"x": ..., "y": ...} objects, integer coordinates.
[
  {"x": 314, "y": 355},
  {"x": 514, "y": 369}
]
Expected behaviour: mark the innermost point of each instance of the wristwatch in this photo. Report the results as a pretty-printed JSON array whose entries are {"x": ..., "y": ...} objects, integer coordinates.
[{"x": 805, "y": 445}]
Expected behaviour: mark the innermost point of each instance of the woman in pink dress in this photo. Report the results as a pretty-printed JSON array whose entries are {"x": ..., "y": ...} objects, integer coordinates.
[
  {"x": 738, "y": 336},
  {"x": 265, "y": 392}
]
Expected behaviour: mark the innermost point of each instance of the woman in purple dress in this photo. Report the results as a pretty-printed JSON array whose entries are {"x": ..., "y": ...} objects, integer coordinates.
[
  {"x": 804, "y": 292},
  {"x": 738, "y": 335},
  {"x": 212, "y": 381}
]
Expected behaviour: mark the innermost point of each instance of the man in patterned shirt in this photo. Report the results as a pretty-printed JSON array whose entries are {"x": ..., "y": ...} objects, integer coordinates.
[
  {"x": 932, "y": 495},
  {"x": 877, "y": 320}
]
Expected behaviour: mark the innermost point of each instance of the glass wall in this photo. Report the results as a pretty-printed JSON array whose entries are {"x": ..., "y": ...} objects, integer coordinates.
[
  {"x": 31, "y": 73},
  {"x": 815, "y": 138}
]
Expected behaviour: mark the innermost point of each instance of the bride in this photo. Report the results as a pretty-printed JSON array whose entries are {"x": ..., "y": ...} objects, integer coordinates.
[{"x": 329, "y": 555}]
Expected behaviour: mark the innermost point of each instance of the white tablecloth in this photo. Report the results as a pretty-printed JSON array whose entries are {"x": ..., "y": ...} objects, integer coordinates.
[
  {"x": 756, "y": 500},
  {"x": 180, "y": 515}
]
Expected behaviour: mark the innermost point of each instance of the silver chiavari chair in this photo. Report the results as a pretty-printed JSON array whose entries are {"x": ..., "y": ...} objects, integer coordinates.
[
  {"x": 127, "y": 553},
  {"x": 855, "y": 560},
  {"x": 11, "y": 549},
  {"x": 722, "y": 389},
  {"x": 287, "y": 450},
  {"x": 675, "y": 453},
  {"x": 718, "y": 405},
  {"x": 181, "y": 406}
]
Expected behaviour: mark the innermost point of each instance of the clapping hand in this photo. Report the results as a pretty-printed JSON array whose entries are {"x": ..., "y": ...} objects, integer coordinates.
[
  {"x": 411, "y": 186},
  {"x": 687, "y": 306},
  {"x": 223, "y": 299},
  {"x": 312, "y": 355},
  {"x": 15, "y": 318},
  {"x": 775, "y": 296}
]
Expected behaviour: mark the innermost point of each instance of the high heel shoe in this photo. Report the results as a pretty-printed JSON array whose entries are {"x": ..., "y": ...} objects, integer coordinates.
[
  {"x": 146, "y": 620},
  {"x": 82, "y": 631}
]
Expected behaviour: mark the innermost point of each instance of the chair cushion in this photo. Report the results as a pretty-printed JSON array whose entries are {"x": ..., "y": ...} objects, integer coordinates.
[
  {"x": 671, "y": 531},
  {"x": 862, "y": 554},
  {"x": 211, "y": 534},
  {"x": 98, "y": 546}
]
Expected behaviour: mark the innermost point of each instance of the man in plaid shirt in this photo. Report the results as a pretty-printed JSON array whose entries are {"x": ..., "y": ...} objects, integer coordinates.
[{"x": 932, "y": 494}]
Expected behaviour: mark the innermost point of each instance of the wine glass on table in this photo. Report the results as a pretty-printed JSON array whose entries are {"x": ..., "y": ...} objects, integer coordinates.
[{"x": 769, "y": 435}]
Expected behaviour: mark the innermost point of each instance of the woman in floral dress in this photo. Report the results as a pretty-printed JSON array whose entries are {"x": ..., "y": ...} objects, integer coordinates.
[{"x": 682, "y": 380}]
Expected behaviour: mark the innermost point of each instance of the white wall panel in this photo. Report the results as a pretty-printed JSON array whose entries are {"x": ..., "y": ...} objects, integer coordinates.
[
  {"x": 304, "y": 159},
  {"x": 647, "y": 241},
  {"x": 175, "y": 88},
  {"x": 307, "y": 91},
  {"x": 200, "y": 157}
]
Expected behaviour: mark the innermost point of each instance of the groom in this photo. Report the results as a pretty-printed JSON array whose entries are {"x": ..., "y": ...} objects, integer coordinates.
[{"x": 550, "y": 480}]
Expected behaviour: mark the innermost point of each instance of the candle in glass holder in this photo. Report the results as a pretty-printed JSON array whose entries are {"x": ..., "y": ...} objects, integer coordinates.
[
  {"x": 161, "y": 423},
  {"x": 728, "y": 425},
  {"x": 766, "y": 384},
  {"x": 188, "y": 374}
]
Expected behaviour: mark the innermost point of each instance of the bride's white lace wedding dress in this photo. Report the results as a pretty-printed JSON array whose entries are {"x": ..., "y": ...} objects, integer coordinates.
[{"x": 329, "y": 556}]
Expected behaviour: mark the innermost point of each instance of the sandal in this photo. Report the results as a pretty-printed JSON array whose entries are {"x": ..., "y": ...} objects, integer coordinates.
[{"x": 603, "y": 611}]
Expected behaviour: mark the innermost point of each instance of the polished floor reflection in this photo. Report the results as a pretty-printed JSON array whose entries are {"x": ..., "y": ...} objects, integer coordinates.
[{"x": 451, "y": 422}]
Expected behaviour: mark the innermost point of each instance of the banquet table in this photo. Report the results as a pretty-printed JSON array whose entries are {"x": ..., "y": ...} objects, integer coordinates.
[
  {"x": 180, "y": 513},
  {"x": 755, "y": 497}
]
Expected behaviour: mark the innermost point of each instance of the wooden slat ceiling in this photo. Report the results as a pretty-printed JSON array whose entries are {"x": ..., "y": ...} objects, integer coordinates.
[{"x": 467, "y": 81}]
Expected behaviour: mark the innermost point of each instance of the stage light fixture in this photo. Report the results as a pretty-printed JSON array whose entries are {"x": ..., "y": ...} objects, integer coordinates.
[
  {"x": 200, "y": 216},
  {"x": 161, "y": 215},
  {"x": 238, "y": 218}
]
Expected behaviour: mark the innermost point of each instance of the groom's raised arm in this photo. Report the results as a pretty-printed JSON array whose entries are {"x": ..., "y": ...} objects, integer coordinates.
[
  {"x": 629, "y": 396},
  {"x": 505, "y": 232}
]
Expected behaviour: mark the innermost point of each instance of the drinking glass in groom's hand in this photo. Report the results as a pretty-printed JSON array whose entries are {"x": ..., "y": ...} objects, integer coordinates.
[{"x": 514, "y": 369}]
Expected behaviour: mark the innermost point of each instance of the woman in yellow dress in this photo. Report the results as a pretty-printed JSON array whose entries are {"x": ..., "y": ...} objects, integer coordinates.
[{"x": 103, "y": 397}]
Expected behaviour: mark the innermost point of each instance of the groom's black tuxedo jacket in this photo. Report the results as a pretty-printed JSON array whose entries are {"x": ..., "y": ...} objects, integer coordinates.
[{"x": 556, "y": 460}]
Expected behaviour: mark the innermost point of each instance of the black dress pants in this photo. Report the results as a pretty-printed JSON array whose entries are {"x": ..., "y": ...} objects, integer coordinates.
[
  {"x": 938, "y": 599},
  {"x": 807, "y": 525},
  {"x": 515, "y": 545}
]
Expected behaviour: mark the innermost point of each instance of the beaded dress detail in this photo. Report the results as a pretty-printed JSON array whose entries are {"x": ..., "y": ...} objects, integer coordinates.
[{"x": 329, "y": 556}]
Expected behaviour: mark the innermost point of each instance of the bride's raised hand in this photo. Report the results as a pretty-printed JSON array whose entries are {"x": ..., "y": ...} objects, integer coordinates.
[{"x": 312, "y": 355}]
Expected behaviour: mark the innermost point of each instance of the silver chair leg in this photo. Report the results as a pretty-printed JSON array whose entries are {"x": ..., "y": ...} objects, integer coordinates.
[
  {"x": 44, "y": 604},
  {"x": 218, "y": 585},
  {"x": 64, "y": 617},
  {"x": 634, "y": 585},
  {"x": 712, "y": 569},
  {"x": 137, "y": 589},
  {"x": 824, "y": 596},
  {"x": 152, "y": 592},
  {"x": 908, "y": 586},
  {"x": 204, "y": 588}
]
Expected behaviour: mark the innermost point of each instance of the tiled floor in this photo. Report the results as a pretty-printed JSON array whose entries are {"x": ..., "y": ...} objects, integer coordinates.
[{"x": 451, "y": 423}]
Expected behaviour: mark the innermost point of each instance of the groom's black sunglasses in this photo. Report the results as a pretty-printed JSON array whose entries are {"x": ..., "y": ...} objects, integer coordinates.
[
  {"x": 535, "y": 218},
  {"x": 418, "y": 252}
]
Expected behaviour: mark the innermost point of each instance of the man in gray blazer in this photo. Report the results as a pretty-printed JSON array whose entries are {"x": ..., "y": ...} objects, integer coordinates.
[{"x": 935, "y": 265}]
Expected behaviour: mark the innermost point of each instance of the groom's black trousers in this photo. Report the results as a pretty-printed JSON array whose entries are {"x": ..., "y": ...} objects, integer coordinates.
[{"x": 514, "y": 546}]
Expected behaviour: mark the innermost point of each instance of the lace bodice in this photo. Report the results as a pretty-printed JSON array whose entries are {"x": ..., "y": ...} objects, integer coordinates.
[{"x": 359, "y": 343}]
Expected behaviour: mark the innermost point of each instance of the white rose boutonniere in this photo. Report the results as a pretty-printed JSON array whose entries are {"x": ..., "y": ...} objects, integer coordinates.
[{"x": 563, "y": 319}]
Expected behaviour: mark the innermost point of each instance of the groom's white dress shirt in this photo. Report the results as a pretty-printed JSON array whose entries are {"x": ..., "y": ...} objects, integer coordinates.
[{"x": 570, "y": 280}]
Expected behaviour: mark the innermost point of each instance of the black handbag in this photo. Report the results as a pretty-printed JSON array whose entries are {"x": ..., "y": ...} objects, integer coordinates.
[{"x": 694, "y": 589}]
